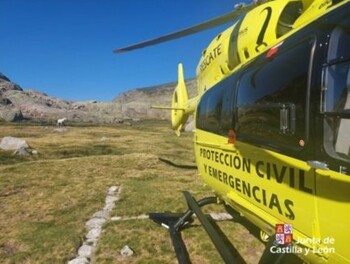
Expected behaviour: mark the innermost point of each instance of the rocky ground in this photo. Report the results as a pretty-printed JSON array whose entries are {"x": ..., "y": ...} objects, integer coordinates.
[{"x": 17, "y": 104}]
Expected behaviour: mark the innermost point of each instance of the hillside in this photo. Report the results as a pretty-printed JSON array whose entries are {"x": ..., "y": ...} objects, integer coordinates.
[
  {"x": 136, "y": 103},
  {"x": 18, "y": 104}
]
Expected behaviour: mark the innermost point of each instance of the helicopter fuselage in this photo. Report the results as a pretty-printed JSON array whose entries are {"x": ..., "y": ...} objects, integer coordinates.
[
  {"x": 272, "y": 121},
  {"x": 288, "y": 113}
]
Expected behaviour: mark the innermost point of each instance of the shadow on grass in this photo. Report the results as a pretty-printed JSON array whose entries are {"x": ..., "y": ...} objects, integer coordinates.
[{"x": 95, "y": 150}]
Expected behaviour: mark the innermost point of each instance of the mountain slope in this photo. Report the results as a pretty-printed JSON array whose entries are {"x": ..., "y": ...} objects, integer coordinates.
[
  {"x": 8, "y": 110},
  {"x": 18, "y": 104},
  {"x": 136, "y": 103}
]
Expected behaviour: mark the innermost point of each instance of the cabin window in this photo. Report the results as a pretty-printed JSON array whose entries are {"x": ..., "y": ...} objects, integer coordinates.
[
  {"x": 215, "y": 112},
  {"x": 272, "y": 98},
  {"x": 336, "y": 94}
]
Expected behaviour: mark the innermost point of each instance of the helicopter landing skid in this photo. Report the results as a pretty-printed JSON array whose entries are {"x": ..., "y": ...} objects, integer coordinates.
[{"x": 175, "y": 223}]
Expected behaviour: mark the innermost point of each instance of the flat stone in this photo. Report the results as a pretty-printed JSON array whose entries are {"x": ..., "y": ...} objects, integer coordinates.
[
  {"x": 143, "y": 216},
  {"x": 116, "y": 218},
  {"x": 94, "y": 233},
  {"x": 79, "y": 260},
  {"x": 111, "y": 199},
  {"x": 221, "y": 216},
  {"x": 85, "y": 251},
  {"x": 91, "y": 242},
  {"x": 95, "y": 223},
  {"x": 94, "y": 226},
  {"x": 101, "y": 214},
  {"x": 112, "y": 189},
  {"x": 109, "y": 207}
]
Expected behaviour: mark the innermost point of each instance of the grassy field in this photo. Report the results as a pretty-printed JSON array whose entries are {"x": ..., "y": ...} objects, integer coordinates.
[{"x": 45, "y": 199}]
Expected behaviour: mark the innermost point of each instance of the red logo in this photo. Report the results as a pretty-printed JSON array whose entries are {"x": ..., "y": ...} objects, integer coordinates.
[{"x": 284, "y": 234}]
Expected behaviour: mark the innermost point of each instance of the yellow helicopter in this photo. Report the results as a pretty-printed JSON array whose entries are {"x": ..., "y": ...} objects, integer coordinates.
[{"x": 272, "y": 127}]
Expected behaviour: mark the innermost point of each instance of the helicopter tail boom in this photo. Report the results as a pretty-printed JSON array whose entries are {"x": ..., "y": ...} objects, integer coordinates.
[{"x": 181, "y": 107}]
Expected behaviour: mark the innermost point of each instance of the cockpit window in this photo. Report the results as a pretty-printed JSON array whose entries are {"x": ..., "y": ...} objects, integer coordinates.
[
  {"x": 339, "y": 43},
  {"x": 336, "y": 94},
  {"x": 215, "y": 110},
  {"x": 337, "y": 88}
]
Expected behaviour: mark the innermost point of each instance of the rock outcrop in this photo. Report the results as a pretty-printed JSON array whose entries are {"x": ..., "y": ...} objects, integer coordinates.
[
  {"x": 137, "y": 103},
  {"x": 18, "y": 104},
  {"x": 8, "y": 111},
  {"x": 7, "y": 85}
]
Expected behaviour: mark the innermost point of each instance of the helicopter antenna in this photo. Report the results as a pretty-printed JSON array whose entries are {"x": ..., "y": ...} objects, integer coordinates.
[{"x": 236, "y": 14}]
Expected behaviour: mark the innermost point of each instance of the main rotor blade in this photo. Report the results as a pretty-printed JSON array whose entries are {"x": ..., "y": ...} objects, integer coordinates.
[{"x": 191, "y": 30}]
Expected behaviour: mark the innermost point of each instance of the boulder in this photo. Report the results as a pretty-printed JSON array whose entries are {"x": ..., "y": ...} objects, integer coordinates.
[
  {"x": 22, "y": 151},
  {"x": 10, "y": 114},
  {"x": 12, "y": 143}
]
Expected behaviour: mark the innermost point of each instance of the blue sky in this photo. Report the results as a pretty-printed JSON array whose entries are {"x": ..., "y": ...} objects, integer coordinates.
[{"x": 65, "y": 47}]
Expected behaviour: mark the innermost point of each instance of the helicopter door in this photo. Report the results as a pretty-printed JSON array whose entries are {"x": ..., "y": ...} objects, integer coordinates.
[
  {"x": 272, "y": 125},
  {"x": 264, "y": 174},
  {"x": 333, "y": 181}
]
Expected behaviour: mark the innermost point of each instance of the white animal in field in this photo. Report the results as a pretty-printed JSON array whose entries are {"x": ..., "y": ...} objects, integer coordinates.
[{"x": 61, "y": 122}]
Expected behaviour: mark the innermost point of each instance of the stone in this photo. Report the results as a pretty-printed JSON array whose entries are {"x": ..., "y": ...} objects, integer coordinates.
[
  {"x": 79, "y": 260},
  {"x": 85, "y": 251},
  {"x": 111, "y": 199},
  {"x": 143, "y": 216},
  {"x": 94, "y": 226},
  {"x": 126, "y": 251},
  {"x": 112, "y": 189},
  {"x": 109, "y": 206},
  {"x": 10, "y": 114},
  {"x": 95, "y": 223},
  {"x": 101, "y": 214},
  {"x": 221, "y": 216},
  {"x": 13, "y": 143},
  {"x": 22, "y": 151},
  {"x": 116, "y": 218},
  {"x": 94, "y": 233}
]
